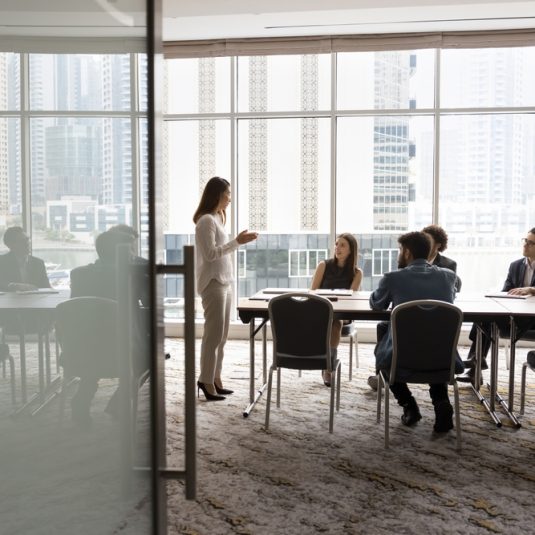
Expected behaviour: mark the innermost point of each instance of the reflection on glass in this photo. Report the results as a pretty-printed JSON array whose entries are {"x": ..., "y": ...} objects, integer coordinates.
[
  {"x": 74, "y": 404},
  {"x": 81, "y": 185},
  {"x": 78, "y": 82},
  {"x": 10, "y": 177}
]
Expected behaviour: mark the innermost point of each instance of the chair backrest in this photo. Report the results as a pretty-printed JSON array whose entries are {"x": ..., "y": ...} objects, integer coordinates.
[
  {"x": 424, "y": 340},
  {"x": 301, "y": 326},
  {"x": 86, "y": 328}
]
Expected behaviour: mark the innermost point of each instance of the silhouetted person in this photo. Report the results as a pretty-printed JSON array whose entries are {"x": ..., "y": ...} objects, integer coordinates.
[
  {"x": 19, "y": 270},
  {"x": 100, "y": 280}
]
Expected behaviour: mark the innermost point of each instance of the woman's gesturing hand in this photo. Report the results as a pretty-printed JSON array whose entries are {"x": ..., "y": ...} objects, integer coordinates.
[{"x": 245, "y": 237}]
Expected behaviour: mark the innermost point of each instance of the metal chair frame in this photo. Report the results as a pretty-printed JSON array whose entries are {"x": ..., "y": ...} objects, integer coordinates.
[
  {"x": 323, "y": 356},
  {"x": 386, "y": 379}
]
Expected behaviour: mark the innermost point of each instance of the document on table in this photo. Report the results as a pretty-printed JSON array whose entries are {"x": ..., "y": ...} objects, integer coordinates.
[
  {"x": 38, "y": 291},
  {"x": 506, "y": 295},
  {"x": 336, "y": 291}
]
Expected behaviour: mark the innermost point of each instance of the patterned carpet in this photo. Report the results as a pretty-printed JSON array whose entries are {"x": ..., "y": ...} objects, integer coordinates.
[{"x": 299, "y": 479}]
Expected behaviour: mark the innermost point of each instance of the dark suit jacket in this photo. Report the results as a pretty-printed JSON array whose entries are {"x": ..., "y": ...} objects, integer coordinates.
[
  {"x": 515, "y": 276},
  {"x": 94, "y": 280},
  {"x": 10, "y": 271},
  {"x": 448, "y": 263},
  {"x": 419, "y": 280},
  {"x": 100, "y": 280}
]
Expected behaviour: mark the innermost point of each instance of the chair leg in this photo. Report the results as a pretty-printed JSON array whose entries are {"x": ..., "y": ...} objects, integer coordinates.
[
  {"x": 57, "y": 353},
  {"x": 387, "y": 415},
  {"x": 138, "y": 383},
  {"x": 268, "y": 401},
  {"x": 379, "y": 395},
  {"x": 63, "y": 397},
  {"x": 339, "y": 380},
  {"x": 523, "y": 388},
  {"x": 355, "y": 339},
  {"x": 331, "y": 407},
  {"x": 507, "y": 354},
  {"x": 457, "y": 415},
  {"x": 278, "y": 388},
  {"x": 350, "y": 358},
  {"x": 3, "y": 369}
]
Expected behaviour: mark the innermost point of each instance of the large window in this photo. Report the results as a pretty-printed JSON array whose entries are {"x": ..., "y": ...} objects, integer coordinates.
[
  {"x": 392, "y": 150},
  {"x": 73, "y": 158}
]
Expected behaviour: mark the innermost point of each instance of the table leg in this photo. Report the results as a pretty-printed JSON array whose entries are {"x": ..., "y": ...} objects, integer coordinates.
[
  {"x": 489, "y": 407},
  {"x": 508, "y": 407},
  {"x": 255, "y": 396},
  {"x": 264, "y": 352},
  {"x": 41, "y": 361},
  {"x": 23, "y": 389},
  {"x": 47, "y": 359}
]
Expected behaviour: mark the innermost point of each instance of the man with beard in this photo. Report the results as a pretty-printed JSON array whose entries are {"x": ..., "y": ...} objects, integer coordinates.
[{"x": 415, "y": 279}]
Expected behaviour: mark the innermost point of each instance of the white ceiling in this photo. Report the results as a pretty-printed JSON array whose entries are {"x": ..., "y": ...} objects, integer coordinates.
[{"x": 208, "y": 19}]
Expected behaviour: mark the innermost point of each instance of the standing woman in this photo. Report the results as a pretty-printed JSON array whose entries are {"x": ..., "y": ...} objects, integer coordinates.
[
  {"x": 214, "y": 277},
  {"x": 338, "y": 272}
]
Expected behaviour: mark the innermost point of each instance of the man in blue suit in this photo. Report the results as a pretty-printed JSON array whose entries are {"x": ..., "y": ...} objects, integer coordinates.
[
  {"x": 416, "y": 279},
  {"x": 520, "y": 281}
]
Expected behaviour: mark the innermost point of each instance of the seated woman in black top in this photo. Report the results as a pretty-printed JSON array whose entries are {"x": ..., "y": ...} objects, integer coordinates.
[{"x": 338, "y": 272}]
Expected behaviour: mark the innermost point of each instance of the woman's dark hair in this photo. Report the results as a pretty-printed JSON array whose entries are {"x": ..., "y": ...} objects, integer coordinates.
[
  {"x": 210, "y": 198},
  {"x": 439, "y": 235},
  {"x": 418, "y": 243},
  {"x": 351, "y": 262}
]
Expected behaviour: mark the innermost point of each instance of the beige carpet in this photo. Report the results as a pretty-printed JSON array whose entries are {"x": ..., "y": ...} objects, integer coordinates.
[{"x": 298, "y": 479}]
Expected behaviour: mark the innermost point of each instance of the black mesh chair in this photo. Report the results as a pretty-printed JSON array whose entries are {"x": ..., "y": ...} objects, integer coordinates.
[
  {"x": 87, "y": 330},
  {"x": 301, "y": 327},
  {"x": 424, "y": 336}
]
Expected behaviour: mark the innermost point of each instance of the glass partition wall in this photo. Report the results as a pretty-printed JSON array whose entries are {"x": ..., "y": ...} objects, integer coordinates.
[
  {"x": 373, "y": 143},
  {"x": 74, "y": 395}
]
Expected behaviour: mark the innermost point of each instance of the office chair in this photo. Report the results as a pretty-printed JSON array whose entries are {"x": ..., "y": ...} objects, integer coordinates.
[
  {"x": 424, "y": 336},
  {"x": 301, "y": 326},
  {"x": 87, "y": 331}
]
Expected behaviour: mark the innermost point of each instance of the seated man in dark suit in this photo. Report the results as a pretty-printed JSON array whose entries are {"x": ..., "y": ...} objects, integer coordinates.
[
  {"x": 439, "y": 243},
  {"x": 521, "y": 281},
  {"x": 416, "y": 279},
  {"x": 100, "y": 280},
  {"x": 19, "y": 270}
]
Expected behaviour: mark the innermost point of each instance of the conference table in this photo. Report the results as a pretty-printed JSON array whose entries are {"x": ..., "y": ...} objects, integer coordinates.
[
  {"x": 355, "y": 306},
  {"x": 36, "y": 308}
]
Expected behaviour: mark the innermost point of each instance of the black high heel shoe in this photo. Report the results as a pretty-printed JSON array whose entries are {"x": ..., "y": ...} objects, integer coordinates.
[
  {"x": 209, "y": 397},
  {"x": 223, "y": 391}
]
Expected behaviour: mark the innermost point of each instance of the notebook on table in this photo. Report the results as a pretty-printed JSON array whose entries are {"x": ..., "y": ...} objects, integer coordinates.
[{"x": 506, "y": 295}]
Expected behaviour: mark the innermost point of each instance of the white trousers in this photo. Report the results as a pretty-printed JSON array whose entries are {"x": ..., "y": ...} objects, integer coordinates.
[{"x": 216, "y": 302}]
